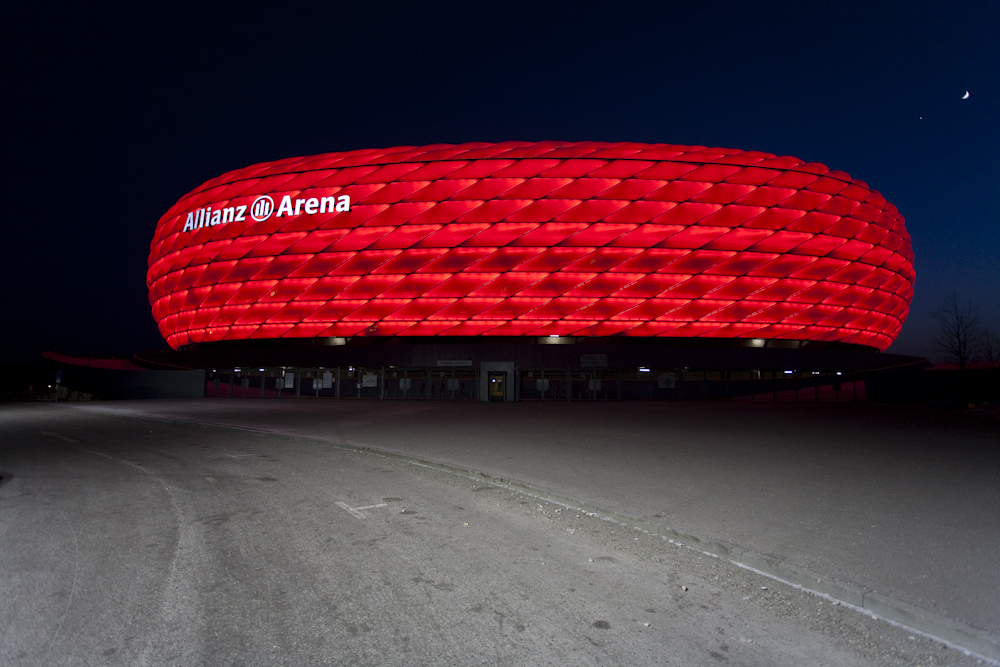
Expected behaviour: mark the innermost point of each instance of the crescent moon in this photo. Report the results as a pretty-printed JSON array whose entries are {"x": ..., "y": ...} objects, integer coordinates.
[{"x": 966, "y": 96}]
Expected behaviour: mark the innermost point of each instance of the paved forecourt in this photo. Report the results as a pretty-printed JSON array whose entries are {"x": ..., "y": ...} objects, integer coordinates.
[{"x": 896, "y": 510}]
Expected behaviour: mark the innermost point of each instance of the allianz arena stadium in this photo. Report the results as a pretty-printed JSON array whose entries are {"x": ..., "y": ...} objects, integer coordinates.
[{"x": 532, "y": 242}]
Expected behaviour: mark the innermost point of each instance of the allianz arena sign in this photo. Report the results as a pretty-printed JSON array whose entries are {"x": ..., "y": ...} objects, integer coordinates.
[
  {"x": 262, "y": 208},
  {"x": 533, "y": 239}
]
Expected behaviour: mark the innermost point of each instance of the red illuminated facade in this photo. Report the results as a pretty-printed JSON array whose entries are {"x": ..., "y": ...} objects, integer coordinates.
[{"x": 533, "y": 239}]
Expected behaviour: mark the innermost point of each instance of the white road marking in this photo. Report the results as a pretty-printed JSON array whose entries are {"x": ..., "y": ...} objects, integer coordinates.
[
  {"x": 346, "y": 507},
  {"x": 61, "y": 437},
  {"x": 356, "y": 511}
]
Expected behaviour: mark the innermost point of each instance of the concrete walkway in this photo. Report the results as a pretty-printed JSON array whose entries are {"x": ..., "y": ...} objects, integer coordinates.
[{"x": 896, "y": 510}]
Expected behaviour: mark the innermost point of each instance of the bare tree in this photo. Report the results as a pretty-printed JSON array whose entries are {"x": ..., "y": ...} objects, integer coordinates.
[
  {"x": 959, "y": 331},
  {"x": 989, "y": 348}
]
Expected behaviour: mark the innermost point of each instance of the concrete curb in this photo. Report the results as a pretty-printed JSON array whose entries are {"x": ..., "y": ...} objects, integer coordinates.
[
  {"x": 812, "y": 581},
  {"x": 955, "y": 633},
  {"x": 949, "y": 631}
]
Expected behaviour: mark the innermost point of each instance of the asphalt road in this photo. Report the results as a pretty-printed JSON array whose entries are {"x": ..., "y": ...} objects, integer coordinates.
[
  {"x": 128, "y": 540},
  {"x": 893, "y": 509}
]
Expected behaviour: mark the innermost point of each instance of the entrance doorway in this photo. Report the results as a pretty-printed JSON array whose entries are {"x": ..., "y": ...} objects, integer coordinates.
[
  {"x": 496, "y": 386},
  {"x": 497, "y": 381}
]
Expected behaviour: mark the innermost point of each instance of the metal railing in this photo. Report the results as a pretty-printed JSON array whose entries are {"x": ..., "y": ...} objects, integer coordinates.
[
  {"x": 536, "y": 383},
  {"x": 384, "y": 383}
]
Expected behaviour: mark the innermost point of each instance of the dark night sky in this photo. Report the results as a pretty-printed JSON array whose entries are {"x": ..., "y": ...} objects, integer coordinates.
[{"x": 113, "y": 113}]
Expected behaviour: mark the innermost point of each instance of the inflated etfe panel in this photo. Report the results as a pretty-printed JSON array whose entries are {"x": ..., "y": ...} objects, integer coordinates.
[{"x": 533, "y": 239}]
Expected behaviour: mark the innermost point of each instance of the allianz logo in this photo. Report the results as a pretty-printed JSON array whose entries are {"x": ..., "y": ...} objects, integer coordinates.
[{"x": 263, "y": 207}]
